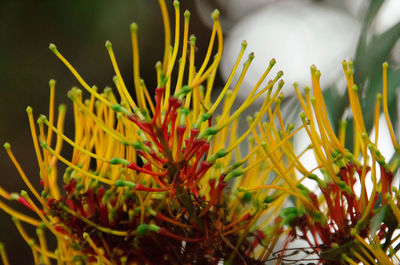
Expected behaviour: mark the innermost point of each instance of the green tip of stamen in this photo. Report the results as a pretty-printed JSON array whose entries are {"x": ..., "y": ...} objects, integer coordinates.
[
  {"x": 349, "y": 72},
  {"x": 364, "y": 135},
  {"x": 52, "y": 82},
  {"x": 176, "y": 4},
  {"x": 43, "y": 144},
  {"x": 14, "y": 196},
  {"x": 133, "y": 27},
  {"x": 52, "y": 47},
  {"x": 385, "y": 65},
  {"x": 124, "y": 260},
  {"x": 42, "y": 119},
  {"x": 209, "y": 132},
  {"x": 269, "y": 199},
  {"x": 313, "y": 68},
  {"x": 71, "y": 95},
  {"x": 192, "y": 39},
  {"x": 62, "y": 108},
  {"x": 24, "y": 193},
  {"x": 251, "y": 57},
  {"x": 244, "y": 44},
  {"x": 31, "y": 242},
  {"x": 124, "y": 183},
  {"x": 241, "y": 189},
  {"x": 215, "y": 14},
  {"x": 234, "y": 174},
  {"x": 146, "y": 228},
  {"x": 108, "y": 44},
  {"x": 15, "y": 219},
  {"x": 119, "y": 108},
  {"x": 187, "y": 14},
  {"x": 7, "y": 145},
  {"x": 29, "y": 109},
  {"x": 118, "y": 161},
  {"x": 313, "y": 99}
]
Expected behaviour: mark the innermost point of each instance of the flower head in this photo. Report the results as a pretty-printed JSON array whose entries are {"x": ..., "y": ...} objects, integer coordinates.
[
  {"x": 161, "y": 179},
  {"x": 155, "y": 180}
]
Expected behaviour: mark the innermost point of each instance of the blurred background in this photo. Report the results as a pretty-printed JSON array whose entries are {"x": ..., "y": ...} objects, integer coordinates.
[{"x": 297, "y": 33}]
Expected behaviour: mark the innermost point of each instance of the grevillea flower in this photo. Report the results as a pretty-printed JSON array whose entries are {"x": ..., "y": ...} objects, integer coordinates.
[
  {"x": 163, "y": 180},
  {"x": 348, "y": 224},
  {"x": 155, "y": 180}
]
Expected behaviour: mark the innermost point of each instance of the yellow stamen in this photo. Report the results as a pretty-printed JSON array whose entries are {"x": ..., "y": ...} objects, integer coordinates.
[
  {"x": 98, "y": 251},
  {"x": 359, "y": 257},
  {"x": 78, "y": 77},
  {"x": 43, "y": 244},
  {"x": 20, "y": 216},
  {"x": 167, "y": 33},
  {"x": 147, "y": 95},
  {"x": 228, "y": 82},
  {"x": 208, "y": 54},
  {"x": 184, "y": 52},
  {"x": 7, "y": 146},
  {"x": 34, "y": 137},
  {"x": 3, "y": 255},
  {"x": 171, "y": 61},
  {"x": 376, "y": 117},
  {"x": 84, "y": 172},
  {"x": 30, "y": 241},
  {"x": 72, "y": 143},
  {"x": 101, "y": 228},
  {"x": 51, "y": 109},
  {"x": 136, "y": 67},
  {"x": 229, "y": 103},
  {"x": 342, "y": 132},
  {"x": 124, "y": 92},
  {"x": 200, "y": 78},
  {"x": 289, "y": 191},
  {"x": 349, "y": 260},
  {"x": 385, "y": 107},
  {"x": 4, "y": 193}
]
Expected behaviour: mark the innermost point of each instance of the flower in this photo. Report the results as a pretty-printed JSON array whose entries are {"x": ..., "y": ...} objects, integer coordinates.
[
  {"x": 148, "y": 179},
  {"x": 351, "y": 224},
  {"x": 167, "y": 180}
]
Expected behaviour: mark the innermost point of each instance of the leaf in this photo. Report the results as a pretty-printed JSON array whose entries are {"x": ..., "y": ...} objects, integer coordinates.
[
  {"x": 376, "y": 52},
  {"x": 390, "y": 221},
  {"x": 333, "y": 101},
  {"x": 372, "y": 10},
  {"x": 377, "y": 219},
  {"x": 373, "y": 88},
  {"x": 333, "y": 254}
]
